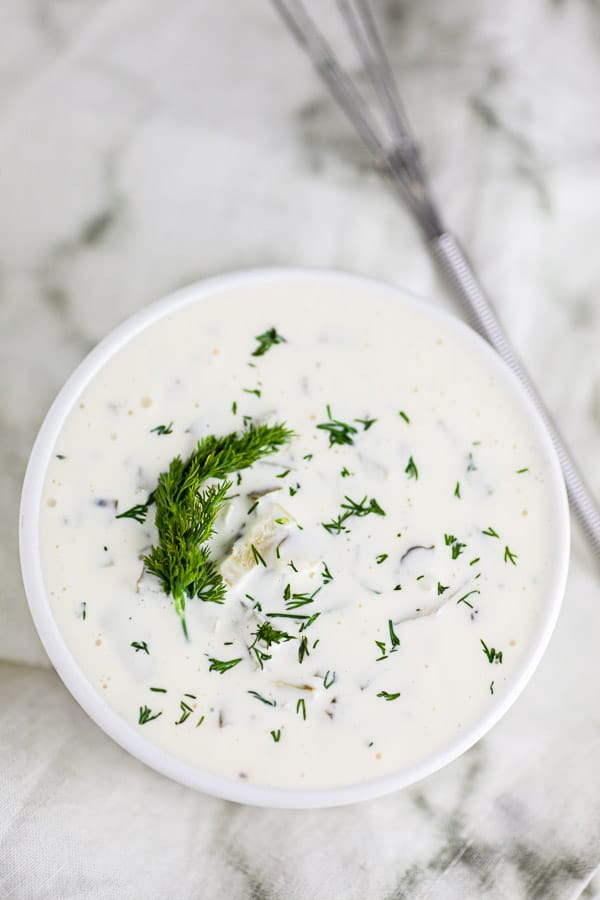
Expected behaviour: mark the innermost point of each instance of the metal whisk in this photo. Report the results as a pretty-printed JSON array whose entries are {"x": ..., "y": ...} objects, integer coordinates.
[{"x": 397, "y": 156}]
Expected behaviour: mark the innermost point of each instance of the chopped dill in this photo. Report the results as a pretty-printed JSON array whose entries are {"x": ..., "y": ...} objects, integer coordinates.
[
  {"x": 222, "y": 665},
  {"x": 162, "y": 429},
  {"x": 381, "y": 558},
  {"x": 276, "y": 735},
  {"x": 146, "y": 715},
  {"x": 326, "y": 574},
  {"x": 257, "y": 556},
  {"x": 266, "y": 340},
  {"x": 464, "y": 600},
  {"x": 263, "y": 699},
  {"x": 403, "y": 415},
  {"x": 441, "y": 588},
  {"x": 510, "y": 557},
  {"x": 387, "y": 696},
  {"x": 301, "y": 708},
  {"x": 140, "y": 645},
  {"x": 492, "y": 654},
  {"x": 266, "y": 636},
  {"x": 303, "y": 649},
  {"x": 457, "y": 490},
  {"x": 339, "y": 432},
  {"x": 489, "y": 531},
  {"x": 411, "y": 469}
]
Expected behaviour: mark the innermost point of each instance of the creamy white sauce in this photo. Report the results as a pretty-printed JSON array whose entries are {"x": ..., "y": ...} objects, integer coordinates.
[{"x": 368, "y": 358}]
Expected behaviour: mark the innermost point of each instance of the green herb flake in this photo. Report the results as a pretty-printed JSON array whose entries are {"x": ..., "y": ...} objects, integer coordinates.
[
  {"x": 403, "y": 415},
  {"x": 366, "y": 423},
  {"x": 510, "y": 557},
  {"x": 222, "y": 665},
  {"x": 140, "y": 645},
  {"x": 257, "y": 557},
  {"x": 146, "y": 715},
  {"x": 520, "y": 472},
  {"x": 162, "y": 429},
  {"x": 338, "y": 432},
  {"x": 464, "y": 599},
  {"x": 329, "y": 679},
  {"x": 276, "y": 735},
  {"x": 303, "y": 650},
  {"x": 492, "y": 654},
  {"x": 441, "y": 588},
  {"x": 387, "y": 696},
  {"x": 411, "y": 469},
  {"x": 262, "y": 699},
  {"x": 489, "y": 531},
  {"x": 457, "y": 490},
  {"x": 301, "y": 708},
  {"x": 186, "y": 711},
  {"x": 266, "y": 340},
  {"x": 381, "y": 558}
]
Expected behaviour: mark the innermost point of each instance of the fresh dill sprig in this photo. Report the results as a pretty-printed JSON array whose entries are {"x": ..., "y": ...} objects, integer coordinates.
[
  {"x": 266, "y": 340},
  {"x": 329, "y": 679},
  {"x": 186, "y": 513},
  {"x": 366, "y": 423}
]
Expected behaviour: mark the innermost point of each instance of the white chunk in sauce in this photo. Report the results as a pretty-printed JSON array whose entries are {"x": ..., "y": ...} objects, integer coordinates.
[{"x": 404, "y": 564}]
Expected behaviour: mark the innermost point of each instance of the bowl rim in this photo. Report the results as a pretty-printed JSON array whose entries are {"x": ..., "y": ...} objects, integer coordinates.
[{"x": 77, "y": 682}]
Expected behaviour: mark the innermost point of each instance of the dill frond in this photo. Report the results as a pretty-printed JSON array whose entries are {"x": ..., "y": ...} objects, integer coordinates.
[{"x": 186, "y": 511}]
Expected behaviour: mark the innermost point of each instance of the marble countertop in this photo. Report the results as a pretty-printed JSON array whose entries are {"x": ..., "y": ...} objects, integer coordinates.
[{"x": 146, "y": 145}]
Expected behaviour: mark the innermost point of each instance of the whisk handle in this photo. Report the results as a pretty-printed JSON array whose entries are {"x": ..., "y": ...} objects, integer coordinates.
[{"x": 461, "y": 278}]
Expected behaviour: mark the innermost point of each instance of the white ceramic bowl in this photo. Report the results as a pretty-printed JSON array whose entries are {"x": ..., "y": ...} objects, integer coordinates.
[{"x": 123, "y": 733}]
